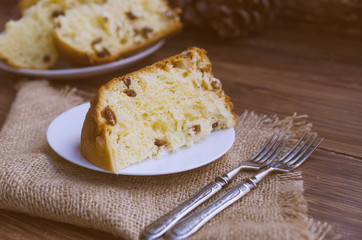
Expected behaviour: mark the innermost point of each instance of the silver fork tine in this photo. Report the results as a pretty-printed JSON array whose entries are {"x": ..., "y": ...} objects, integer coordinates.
[
  {"x": 272, "y": 150},
  {"x": 308, "y": 154},
  {"x": 268, "y": 149},
  {"x": 276, "y": 154},
  {"x": 262, "y": 149},
  {"x": 302, "y": 153},
  {"x": 292, "y": 149},
  {"x": 297, "y": 151}
]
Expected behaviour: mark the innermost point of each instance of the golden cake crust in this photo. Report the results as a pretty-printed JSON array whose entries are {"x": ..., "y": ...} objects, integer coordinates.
[
  {"x": 25, "y": 4},
  {"x": 95, "y": 151}
]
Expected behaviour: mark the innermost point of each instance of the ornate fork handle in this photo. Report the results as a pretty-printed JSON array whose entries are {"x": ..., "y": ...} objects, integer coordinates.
[
  {"x": 189, "y": 225},
  {"x": 194, "y": 222},
  {"x": 159, "y": 227}
]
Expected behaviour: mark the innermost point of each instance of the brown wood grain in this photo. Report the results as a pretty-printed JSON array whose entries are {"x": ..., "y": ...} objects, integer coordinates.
[{"x": 280, "y": 71}]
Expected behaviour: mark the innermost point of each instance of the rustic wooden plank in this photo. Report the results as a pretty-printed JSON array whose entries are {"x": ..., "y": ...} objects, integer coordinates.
[
  {"x": 15, "y": 226},
  {"x": 8, "y": 10},
  {"x": 330, "y": 109},
  {"x": 333, "y": 190}
]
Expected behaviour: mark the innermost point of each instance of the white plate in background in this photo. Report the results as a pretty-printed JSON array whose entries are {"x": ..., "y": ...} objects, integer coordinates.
[
  {"x": 64, "y": 137},
  {"x": 73, "y": 73}
]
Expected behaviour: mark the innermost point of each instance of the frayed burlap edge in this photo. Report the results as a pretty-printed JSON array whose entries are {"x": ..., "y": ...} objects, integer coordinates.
[{"x": 298, "y": 125}]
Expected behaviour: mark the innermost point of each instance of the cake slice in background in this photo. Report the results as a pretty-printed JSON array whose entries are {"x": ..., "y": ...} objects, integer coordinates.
[
  {"x": 28, "y": 42},
  {"x": 86, "y": 32},
  {"x": 101, "y": 33},
  {"x": 156, "y": 110}
]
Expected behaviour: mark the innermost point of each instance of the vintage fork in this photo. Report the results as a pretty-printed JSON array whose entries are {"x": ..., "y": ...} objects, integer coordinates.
[
  {"x": 291, "y": 160},
  {"x": 262, "y": 158}
]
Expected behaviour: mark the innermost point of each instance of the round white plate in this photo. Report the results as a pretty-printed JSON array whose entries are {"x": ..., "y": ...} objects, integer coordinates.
[
  {"x": 72, "y": 73},
  {"x": 64, "y": 137}
]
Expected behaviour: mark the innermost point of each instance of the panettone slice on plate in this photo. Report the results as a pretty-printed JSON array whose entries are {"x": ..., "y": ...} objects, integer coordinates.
[{"x": 153, "y": 111}]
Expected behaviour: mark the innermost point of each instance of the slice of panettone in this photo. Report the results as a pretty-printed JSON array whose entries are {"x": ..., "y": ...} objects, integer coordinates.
[
  {"x": 100, "y": 33},
  {"x": 28, "y": 42},
  {"x": 156, "y": 110}
]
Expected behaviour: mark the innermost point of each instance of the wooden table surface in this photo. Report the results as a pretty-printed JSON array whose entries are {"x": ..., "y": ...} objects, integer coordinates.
[{"x": 279, "y": 71}]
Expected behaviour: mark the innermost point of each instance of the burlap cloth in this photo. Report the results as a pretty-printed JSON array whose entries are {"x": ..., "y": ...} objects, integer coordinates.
[{"x": 36, "y": 181}]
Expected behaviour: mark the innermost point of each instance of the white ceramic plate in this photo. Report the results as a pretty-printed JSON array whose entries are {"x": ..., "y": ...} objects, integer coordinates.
[
  {"x": 64, "y": 137},
  {"x": 72, "y": 73}
]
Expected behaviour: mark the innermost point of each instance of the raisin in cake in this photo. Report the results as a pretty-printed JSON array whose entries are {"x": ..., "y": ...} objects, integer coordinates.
[
  {"x": 117, "y": 28},
  {"x": 158, "y": 109}
]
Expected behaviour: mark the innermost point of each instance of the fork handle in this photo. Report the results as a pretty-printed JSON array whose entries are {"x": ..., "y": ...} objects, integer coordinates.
[
  {"x": 163, "y": 224},
  {"x": 189, "y": 225}
]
